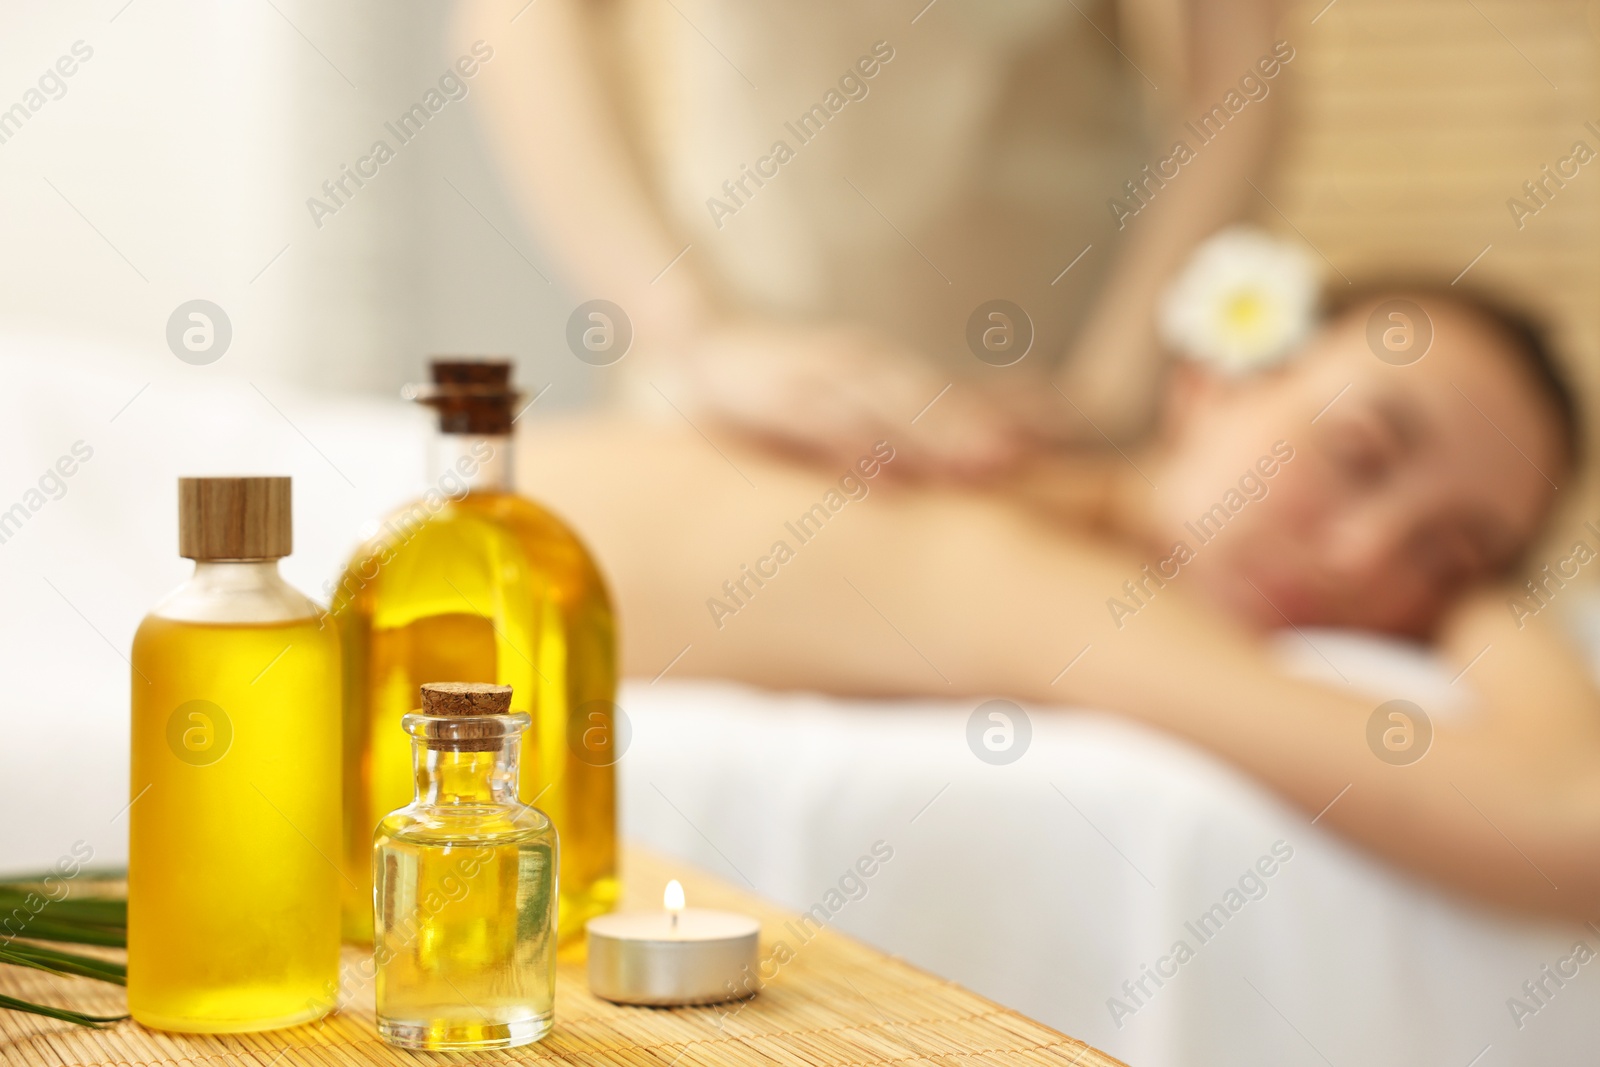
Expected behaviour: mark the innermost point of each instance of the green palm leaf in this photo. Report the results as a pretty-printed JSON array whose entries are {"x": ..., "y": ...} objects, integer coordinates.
[
  {"x": 16, "y": 909},
  {"x": 64, "y": 963},
  {"x": 89, "y": 919},
  {"x": 95, "y": 1021}
]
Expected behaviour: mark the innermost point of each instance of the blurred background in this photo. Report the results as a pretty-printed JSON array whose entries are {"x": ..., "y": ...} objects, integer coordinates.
[{"x": 176, "y": 163}]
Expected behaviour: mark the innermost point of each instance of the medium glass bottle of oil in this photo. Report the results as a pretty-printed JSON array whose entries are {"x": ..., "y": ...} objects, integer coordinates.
[
  {"x": 464, "y": 912},
  {"x": 473, "y": 582},
  {"x": 233, "y": 899}
]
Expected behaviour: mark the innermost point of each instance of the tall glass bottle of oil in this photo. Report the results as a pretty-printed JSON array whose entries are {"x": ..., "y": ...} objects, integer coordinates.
[
  {"x": 233, "y": 899},
  {"x": 474, "y": 583}
]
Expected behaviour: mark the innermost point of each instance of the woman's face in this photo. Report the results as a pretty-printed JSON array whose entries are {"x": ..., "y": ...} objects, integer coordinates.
[{"x": 1403, "y": 484}]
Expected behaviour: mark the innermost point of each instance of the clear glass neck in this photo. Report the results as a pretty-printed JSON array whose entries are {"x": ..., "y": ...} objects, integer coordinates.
[
  {"x": 465, "y": 759},
  {"x": 235, "y": 576},
  {"x": 471, "y": 463},
  {"x": 235, "y": 591}
]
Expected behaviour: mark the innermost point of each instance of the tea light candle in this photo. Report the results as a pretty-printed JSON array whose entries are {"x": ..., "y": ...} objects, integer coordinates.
[{"x": 676, "y": 956}]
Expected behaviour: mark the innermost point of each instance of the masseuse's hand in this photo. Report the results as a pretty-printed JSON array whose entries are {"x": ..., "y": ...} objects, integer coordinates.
[{"x": 830, "y": 392}]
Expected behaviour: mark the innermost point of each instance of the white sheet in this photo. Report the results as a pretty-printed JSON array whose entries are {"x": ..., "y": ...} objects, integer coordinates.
[
  {"x": 1045, "y": 884},
  {"x": 1048, "y": 883}
]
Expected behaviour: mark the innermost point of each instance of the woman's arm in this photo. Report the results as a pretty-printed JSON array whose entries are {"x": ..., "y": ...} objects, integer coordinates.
[
  {"x": 820, "y": 390},
  {"x": 557, "y": 134},
  {"x": 1504, "y": 806},
  {"x": 932, "y": 592},
  {"x": 1116, "y": 360}
]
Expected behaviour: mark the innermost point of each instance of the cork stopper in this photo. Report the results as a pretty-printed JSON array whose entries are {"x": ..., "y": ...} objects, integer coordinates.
[
  {"x": 234, "y": 518},
  {"x": 465, "y": 698},
  {"x": 470, "y": 701},
  {"x": 473, "y": 395}
]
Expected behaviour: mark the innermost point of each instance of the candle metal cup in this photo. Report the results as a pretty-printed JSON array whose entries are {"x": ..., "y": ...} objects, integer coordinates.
[{"x": 644, "y": 958}]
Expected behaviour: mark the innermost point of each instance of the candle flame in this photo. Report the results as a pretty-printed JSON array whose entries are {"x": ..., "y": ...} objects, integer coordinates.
[{"x": 672, "y": 899}]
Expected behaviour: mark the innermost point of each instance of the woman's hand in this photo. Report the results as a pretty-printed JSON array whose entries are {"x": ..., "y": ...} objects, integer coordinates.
[{"x": 830, "y": 392}]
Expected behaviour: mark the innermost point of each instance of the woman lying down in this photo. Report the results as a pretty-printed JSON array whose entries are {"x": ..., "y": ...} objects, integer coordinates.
[{"x": 1333, "y": 489}]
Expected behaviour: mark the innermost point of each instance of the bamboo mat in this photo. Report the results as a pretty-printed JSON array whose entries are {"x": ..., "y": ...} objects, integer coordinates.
[{"x": 836, "y": 1002}]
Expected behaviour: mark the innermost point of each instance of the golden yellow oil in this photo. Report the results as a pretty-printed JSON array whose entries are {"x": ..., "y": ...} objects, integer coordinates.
[
  {"x": 465, "y": 938},
  {"x": 233, "y": 895},
  {"x": 489, "y": 588}
]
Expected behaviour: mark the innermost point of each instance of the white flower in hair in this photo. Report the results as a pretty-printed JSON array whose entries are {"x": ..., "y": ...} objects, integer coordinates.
[{"x": 1243, "y": 301}]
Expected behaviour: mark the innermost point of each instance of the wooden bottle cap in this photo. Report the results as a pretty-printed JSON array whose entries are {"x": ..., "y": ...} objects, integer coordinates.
[
  {"x": 238, "y": 519},
  {"x": 467, "y": 699}
]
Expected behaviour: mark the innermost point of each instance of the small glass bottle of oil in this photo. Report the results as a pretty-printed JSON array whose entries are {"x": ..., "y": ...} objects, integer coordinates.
[
  {"x": 476, "y": 583},
  {"x": 233, "y": 897},
  {"x": 464, "y": 912}
]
